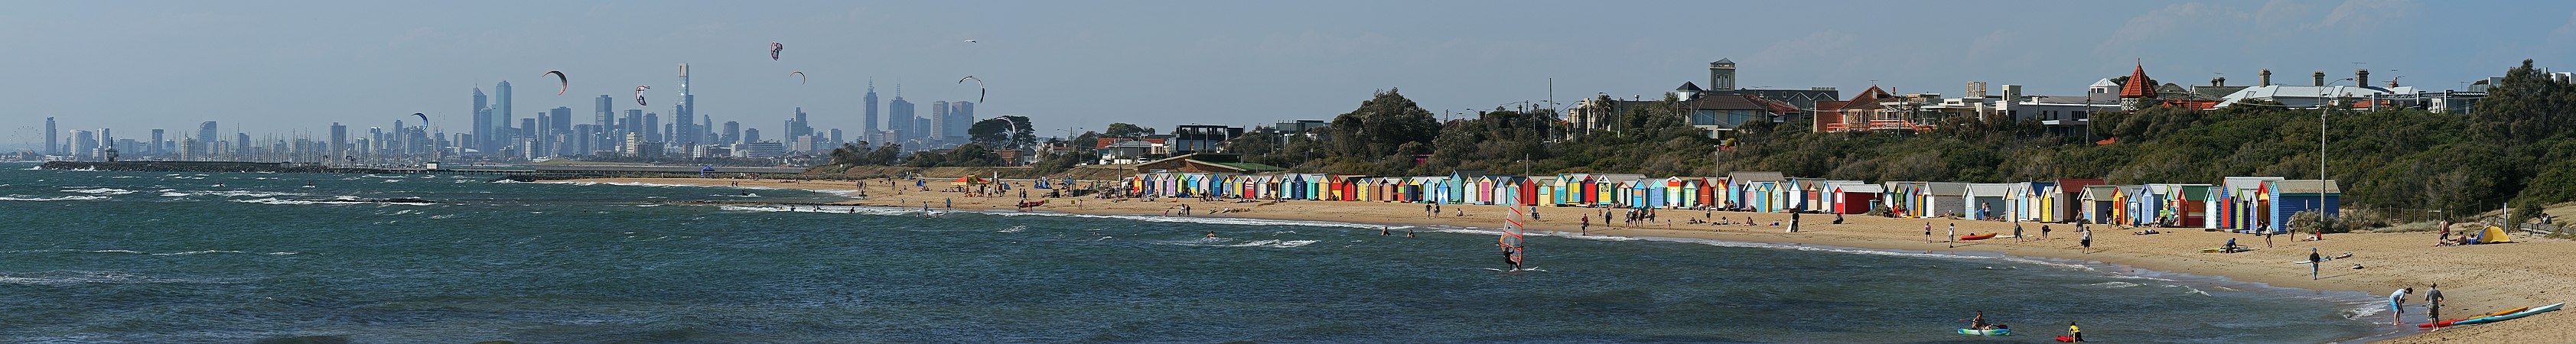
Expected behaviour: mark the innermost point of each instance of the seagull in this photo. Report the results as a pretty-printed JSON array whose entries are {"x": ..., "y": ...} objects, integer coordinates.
[{"x": 970, "y": 41}]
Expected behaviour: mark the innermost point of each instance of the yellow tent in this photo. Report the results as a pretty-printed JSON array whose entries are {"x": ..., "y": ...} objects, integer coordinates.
[{"x": 2493, "y": 235}]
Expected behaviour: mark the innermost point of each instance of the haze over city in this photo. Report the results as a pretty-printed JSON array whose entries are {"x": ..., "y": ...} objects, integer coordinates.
[{"x": 295, "y": 67}]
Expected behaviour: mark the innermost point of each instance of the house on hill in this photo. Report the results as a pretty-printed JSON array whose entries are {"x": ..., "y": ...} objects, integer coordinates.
[{"x": 1206, "y": 163}]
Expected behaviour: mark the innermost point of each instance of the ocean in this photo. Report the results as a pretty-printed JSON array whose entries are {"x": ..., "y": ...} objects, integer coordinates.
[{"x": 147, "y": 257}]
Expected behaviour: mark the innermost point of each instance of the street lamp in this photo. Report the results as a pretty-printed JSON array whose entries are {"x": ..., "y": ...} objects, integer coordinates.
[{"x": 2322, "y": 107}]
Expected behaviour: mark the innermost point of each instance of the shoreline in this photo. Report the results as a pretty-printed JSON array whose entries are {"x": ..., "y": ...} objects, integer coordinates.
[{"x": 2482, "y": 278}]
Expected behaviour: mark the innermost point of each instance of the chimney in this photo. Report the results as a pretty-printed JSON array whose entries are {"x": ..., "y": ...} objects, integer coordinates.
[
  {"x": 2321, "y": 78},
  {"x": 2267, "y": 78},
  {"x": 2218, "y": 81},
  {"x": 2361, "y": 77}
]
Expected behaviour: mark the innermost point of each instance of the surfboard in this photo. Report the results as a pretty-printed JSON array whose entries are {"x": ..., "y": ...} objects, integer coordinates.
[{"x": 1515, "y": 270}]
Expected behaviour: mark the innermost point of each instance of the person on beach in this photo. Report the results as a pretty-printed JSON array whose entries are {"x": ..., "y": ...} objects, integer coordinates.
[
  {"x": 1587, "y": 225},
  {"x": 2043, "y": 232},
  {"x": 2087, "y": 242},
  {"x": 1793, "y": 222},
  {"x": 1954, "y": 235},
  {"x": 2076, "y": 333},
  {"x": 2397, "y": 305},
  {"x": 2017, "y": 231},
  {"x": 2433, "y": 302},
  {"x": 1927, "y": 232},
  {"x": 1427, "y": 211}
]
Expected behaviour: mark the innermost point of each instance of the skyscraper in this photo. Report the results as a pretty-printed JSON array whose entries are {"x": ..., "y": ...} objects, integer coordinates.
[
  {"x": 634, "y": 122},
  {"x": 938, "y": 121},
  {"x": 157, "y": 139},
  {"x": 500, "y": 117},
  {"x": 684, "y": 114},
  {"x": 482, "y": 120},
  {"x": 606, "y": 115},
  {"x": 961, "y": 115},
  {"x": 732, "y": 132},
  {"x": 206, "y": 138},
  {"x": 652, "y": 127},
  {"x": 53, "y": 138},
  {"x": 869, "y": 127},
  {"x": 339, "y": 141},
  {"x": 561, "y": 121},
  {"x": 899, "y": 117}
]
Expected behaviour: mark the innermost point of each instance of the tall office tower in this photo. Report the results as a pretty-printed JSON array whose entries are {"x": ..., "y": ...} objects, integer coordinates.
[
  {"x": 206, "y": 137},
  {"x": 836, "y": 136},
  {"x": 634, "y": 122},
  {"x": 684, "y": 114},
  {"x": 155, "y": 149},
  {"x": 501, "y": 116},
  {"x": 750, "y": 135},
  {"x": 796, "y": 124},
  {"x": 607, "y": 114},
  {"x": 732, "y": 132},
  {"x": 707, "y": 128},
  {"x": 652, "y": 127},
  {"x": 482, "y": 119},
  {"x": 106, "y": 138},
  {"x": 870, "y": 122},
  {"x": 562, "y": 120},
  {"x": 899, "y": 116},
  {"x": 961, "y": 115},
  {"x": 938, "y": 121},
  {"x": 680, "y": 131},
  {"x": 527, "y": 128},
  {"x": 339, "y": 141},
  {"x": 53, "y": 139},
  {"x": 925, "y": 135},
  {"x": 83, "y": 144},
  {"x": 241, "y": 146}
]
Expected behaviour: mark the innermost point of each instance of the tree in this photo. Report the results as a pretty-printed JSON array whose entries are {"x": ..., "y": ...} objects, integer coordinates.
[
  {"x": 1004, "y": 132},
  {"x": 1381, "y": 124},
  {"x": 1126, "y": 130},
  {"x": 885, "y": 155}
]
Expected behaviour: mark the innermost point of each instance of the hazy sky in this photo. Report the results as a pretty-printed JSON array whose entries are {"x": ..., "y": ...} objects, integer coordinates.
[{"x": 275, "y": 67}]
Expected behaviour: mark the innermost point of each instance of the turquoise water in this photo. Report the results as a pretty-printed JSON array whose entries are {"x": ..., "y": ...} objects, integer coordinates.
[{"x": 129, "y": 257}]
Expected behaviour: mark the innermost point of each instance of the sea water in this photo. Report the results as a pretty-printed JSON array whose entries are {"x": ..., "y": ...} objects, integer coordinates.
[{"x": 137, "y": 257}]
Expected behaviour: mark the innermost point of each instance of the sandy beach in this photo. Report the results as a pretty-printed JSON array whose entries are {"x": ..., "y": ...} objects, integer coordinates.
[{"x": 2474, "y": 279}]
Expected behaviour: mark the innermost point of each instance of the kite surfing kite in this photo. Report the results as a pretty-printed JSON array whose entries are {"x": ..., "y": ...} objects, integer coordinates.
[
  {"x": 800, "y": 76},
  {"x": 979, "y": 87},
  {"x": 559, "y": 77},
  {"x": 774, "y": 47},
  {"x": 970, "y": 41},
  {"x": 639, "y": 94},
  {"x": 424, "y": 119}
]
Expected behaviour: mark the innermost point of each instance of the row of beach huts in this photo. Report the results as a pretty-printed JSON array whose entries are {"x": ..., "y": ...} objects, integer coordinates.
[{"x": 2239, "y": 204}]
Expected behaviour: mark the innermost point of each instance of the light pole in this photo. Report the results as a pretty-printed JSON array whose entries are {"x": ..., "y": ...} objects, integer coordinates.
[{"x": 2322, "y": 107}]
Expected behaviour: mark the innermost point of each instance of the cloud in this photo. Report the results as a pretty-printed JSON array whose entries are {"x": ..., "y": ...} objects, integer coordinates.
[{"x": 2362, "y": 14}]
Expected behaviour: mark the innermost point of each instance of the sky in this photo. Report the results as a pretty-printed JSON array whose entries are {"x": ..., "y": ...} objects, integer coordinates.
[{"x": 290, "y": 67}]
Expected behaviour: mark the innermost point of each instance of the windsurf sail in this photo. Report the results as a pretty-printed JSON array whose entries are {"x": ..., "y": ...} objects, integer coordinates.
[{"x": 1512, "y": 241}]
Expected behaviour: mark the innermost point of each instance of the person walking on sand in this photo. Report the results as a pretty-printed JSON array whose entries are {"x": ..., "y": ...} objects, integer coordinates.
[
  {"x": 2397, "y": 305},
  {"x": 2043, "y": 232},
  {"x": 2017, "y": 232},
  {"x": 1927, "y": 232},
  {"x": 1427, "y": 211},
  {"x": 1587, "y": 225},
  {"x": 2433, "y": 302}
]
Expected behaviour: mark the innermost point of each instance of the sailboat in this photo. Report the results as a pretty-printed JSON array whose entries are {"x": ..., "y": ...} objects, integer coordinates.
[{"x": 1514, "y": 243}]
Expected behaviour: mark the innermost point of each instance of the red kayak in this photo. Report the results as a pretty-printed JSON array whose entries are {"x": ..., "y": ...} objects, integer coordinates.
[
  {"x": 1978, "y": 236},
  {"x": 2447, "y": 323},
  {"x": 2065, "y": 339}
]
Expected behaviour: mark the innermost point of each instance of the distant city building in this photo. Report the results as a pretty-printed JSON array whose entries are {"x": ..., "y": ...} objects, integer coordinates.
[
  {"x": 205, "y": 134},
  {"x": 759, "y": 150},
  {"x": 53, "y": 138},
  {"x": 750, "y": 135},
  {"x": 961, "y": 116},
  {"x": 899, "y": 118},
  {"x": 938, "y": 122},
  {"x": 869, "y": 124},
  {"x": 501, "y": 116}
]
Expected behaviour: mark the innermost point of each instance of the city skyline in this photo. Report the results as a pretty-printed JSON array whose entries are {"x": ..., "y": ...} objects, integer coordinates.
[{"x": 164, "y": 65}]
